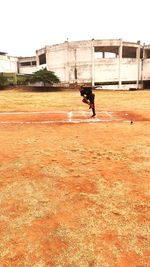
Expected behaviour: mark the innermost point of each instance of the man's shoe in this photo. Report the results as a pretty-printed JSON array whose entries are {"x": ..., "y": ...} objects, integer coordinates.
[{"x": 94, "y": 115}]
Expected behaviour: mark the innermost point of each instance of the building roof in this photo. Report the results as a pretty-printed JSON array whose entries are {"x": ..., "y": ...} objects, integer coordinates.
[{"x": 3, "y": 53}]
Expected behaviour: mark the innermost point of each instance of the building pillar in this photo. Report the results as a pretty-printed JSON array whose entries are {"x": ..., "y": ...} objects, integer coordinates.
[
  {"x": 46, "y": 56},
  {"x": 142, "y": 66},
  {"x": 18, "y": 67},
  {"x": 67, "y": 76},
  {"x": 120, "y": 63},
  {"x": 138, "y": 50},
  {"x": 37, "y": 60},
  {"x": 75, "y": 67},
  {"x": 93, "y": 64}
]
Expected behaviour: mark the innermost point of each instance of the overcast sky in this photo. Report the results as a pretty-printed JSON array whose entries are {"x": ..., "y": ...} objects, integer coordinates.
[{"x": 28, "y": 25}]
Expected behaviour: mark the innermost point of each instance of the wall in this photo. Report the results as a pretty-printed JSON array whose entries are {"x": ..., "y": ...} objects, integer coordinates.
[
  {"x": 27, "y": 70},
  {"x": 146, "y": 69},
  {"x": 63, "y": 59},
  {"x": 56, "y": 60},
  {"x": 106, "y": 70},
  {"x": 76, "y": 62},
  {"x": 70, "y": 57},
  {"x": 8, "y": 63},
  {"x": 80, "y": 58}
]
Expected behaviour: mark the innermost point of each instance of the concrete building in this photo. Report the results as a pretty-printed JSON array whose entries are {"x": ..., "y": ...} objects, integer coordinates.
[
  {"x": 112, "y": 64},
  {"x": 8, "y": 63},
  {"x": 27, "y": 65}
]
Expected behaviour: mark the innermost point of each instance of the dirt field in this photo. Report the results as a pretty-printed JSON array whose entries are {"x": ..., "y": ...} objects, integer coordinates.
[{"x": 74, "y": 193}]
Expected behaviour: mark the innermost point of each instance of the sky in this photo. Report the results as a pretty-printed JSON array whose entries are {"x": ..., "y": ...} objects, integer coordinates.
[{"x": 28, "y": 25}]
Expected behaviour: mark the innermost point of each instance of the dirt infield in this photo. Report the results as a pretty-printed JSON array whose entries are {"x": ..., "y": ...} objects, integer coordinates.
[
  {"x": 74, "y": 194},
  {"x": 62, "y": 117}
]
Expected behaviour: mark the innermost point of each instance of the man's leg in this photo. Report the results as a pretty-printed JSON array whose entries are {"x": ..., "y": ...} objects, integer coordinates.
[
  {"x": 93, "y": 110},
  {"x": 85, "y": 100},
  {"x": 92, "y": 104}
]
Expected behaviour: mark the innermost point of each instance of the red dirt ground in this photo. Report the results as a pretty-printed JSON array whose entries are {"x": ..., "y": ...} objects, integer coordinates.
[
  {"x": 75, "y": 194},
  {"x": 69, "y": 117}
]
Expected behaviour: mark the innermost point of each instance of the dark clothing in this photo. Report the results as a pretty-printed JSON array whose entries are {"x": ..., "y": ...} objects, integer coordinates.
[
  {"x": 86, "y": 90},
  {"x": 88, "y": 97},
  {"x": 91, "y": 98}
]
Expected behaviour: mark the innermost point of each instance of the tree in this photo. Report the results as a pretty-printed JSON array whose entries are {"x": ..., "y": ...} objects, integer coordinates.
[{"x": 45, "y": 76}]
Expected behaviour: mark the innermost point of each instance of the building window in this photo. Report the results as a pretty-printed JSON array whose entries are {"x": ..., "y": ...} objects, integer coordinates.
[
  {"x": 25, "y": 64},
  {"x": 42, "y": 59},
  {"x": 33, "y": 63},
  {"x": 147, "y": 53}
]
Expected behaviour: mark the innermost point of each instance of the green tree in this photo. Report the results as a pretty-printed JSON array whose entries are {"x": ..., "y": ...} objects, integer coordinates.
[
  {"x": 45, "y": 76},
  {"x": 3, "y": 80}
]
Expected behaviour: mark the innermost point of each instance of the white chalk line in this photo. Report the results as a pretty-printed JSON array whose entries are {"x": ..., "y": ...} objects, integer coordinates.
[
  {"x": 53, "y": 112},
  {"x": 108, "y": 113},
  {"x": 54, "y": 122},
  {"x": 69, "y": 114},
  {"x": 62, "y": 121},
  {"x": 32, "y": 112}
]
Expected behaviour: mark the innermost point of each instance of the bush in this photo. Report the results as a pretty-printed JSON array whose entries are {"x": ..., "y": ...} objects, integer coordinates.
[
  {"x": 23, "y": 79},
  {"x": 3, "y": 80}
]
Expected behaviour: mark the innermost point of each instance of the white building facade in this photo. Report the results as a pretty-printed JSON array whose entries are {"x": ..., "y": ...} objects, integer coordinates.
[
  {"x": 112, "y": 64},
  {"x": 8, "y": 63}
]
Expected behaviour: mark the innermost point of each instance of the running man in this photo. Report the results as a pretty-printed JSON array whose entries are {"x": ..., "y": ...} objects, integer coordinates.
[{"x": 88, "y": 97}]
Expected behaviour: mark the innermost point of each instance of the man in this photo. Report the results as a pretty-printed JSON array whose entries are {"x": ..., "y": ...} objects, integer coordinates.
[{"x": 88, "y": 97}]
